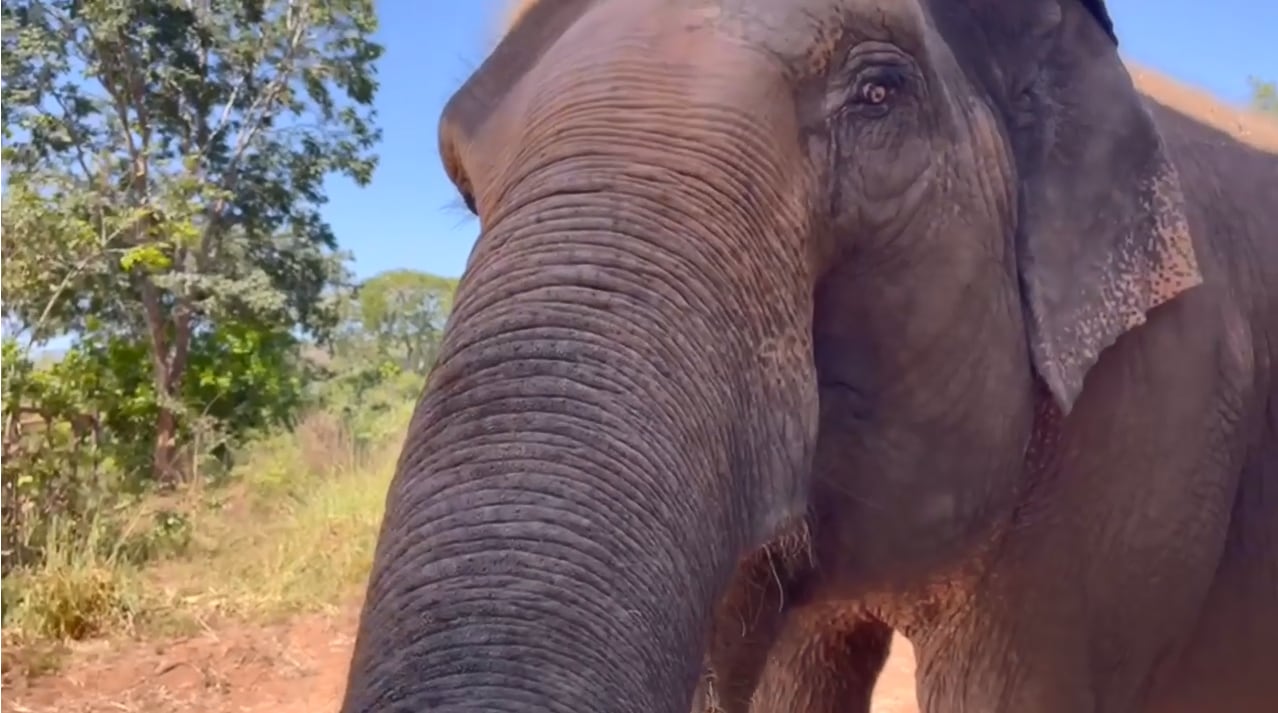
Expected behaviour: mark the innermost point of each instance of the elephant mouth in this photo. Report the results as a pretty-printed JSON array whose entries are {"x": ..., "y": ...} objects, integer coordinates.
[
  {"x": 853, "y": 401},
  {"x": 784, "y": 560},
  {"x": 793, "y": 544}
]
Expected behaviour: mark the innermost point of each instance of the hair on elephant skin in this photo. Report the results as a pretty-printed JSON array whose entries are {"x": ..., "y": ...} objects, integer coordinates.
[{"x": 794, "y": 324}]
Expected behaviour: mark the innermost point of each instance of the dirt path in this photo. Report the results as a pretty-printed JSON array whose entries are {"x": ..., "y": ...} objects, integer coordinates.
[{"x": 299, "y": 667}]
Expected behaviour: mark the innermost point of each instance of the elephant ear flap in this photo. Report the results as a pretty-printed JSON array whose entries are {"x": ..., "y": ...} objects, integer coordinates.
[{"x": 1103, "y": 237}]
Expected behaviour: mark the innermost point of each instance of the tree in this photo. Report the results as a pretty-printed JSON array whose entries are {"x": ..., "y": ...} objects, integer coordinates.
[
  {"x": 166, "y": 163},
  {"x": 386, "y": 341},
  {"x": 404, "y": 311},
  {"x": 1264, "y": 96}
]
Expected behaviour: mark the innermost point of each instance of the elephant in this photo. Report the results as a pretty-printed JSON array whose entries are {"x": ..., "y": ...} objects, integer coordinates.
[{"x": 795, "y": 324}]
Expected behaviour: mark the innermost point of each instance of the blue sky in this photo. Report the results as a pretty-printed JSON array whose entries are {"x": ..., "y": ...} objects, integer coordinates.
[{"x": 409, "y": 216}]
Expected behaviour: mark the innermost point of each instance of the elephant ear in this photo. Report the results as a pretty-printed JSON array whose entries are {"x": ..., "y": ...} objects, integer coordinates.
[{"x": 1103, "y": 237}]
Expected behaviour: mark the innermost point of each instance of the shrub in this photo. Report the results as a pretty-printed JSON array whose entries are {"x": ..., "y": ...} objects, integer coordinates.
[{"x": 74, "y": 593}]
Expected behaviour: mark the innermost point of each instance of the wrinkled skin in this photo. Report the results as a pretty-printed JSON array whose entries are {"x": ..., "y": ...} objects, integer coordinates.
[{"x": 795, "y": 323}]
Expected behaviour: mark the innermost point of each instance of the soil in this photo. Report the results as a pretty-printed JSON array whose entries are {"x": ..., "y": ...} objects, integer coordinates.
[{"x": 295, "y": 667}]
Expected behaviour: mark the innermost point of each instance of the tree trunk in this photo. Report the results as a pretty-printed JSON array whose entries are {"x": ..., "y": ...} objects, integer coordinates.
[
  {"x": 164, "y": 455},
  {"x": 168, "y": 366}
]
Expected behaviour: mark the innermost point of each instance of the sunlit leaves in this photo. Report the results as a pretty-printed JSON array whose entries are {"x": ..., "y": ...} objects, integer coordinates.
[
  {"x": 404, "y": 312},
  {"x": 165, "y": 167}
]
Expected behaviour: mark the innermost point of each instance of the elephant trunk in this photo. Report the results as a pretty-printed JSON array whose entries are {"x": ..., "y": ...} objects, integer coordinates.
[
  {"x": 611, "y": 424},
  {"x": 623, "y": 405}
]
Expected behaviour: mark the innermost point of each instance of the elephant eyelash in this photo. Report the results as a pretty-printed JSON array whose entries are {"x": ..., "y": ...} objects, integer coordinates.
[{"x": 467, "y": 195}]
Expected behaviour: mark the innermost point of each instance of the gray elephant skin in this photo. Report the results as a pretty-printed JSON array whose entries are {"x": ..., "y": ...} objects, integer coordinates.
[{"x": 795, "y": 324}]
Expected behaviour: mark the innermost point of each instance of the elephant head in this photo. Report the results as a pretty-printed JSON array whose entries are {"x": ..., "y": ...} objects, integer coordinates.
[{"x": 744, "y": 261}]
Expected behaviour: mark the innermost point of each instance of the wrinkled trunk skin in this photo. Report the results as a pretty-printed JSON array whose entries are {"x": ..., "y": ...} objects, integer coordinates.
[
  {"x": 623, "y": 405},
  {"x": 562, "y": 521}
]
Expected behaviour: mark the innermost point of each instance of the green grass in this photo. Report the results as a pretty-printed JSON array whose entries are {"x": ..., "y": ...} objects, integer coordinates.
[
  {"x": 288, "y": 551},
  {"x": 294, "y": 531}
]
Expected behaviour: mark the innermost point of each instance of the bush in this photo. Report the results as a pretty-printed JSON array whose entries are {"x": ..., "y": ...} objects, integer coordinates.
[
  {"x": 74, "y": 602},
  {"x": 75, "y": 592},
  {"x": 292, "y": 528},
  {"x": 79, "y": 432},
  {"x": 289, "y": 525}
]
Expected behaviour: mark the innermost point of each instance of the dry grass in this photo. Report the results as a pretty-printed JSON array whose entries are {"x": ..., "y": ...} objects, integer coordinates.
[
  {"x": 296, "y": 533},
  {"x": 81, "y": 590},
  {"x": 298, "y": 537},
  {"x": 300, "y": 553}
]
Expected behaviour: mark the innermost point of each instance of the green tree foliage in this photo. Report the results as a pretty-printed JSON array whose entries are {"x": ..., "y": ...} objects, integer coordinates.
[
  {"x": 403, "y": 312},
  {"x": 165, "y": 167},
  {"x": 386, "y": 342},
  {"x": 1264, "y": 96}
]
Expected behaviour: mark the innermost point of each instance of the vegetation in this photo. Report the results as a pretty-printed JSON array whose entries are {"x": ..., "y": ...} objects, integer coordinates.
[
  {"x": 165, "y": 169},
  {"x": 288, "y": 526},
  {"x": 1264, "y": 96},
  {"x": 292, "y": 532},
  {"x": 166, "y": 166}
]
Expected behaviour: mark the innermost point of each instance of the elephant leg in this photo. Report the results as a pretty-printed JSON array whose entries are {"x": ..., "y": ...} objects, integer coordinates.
[{"x": 826, "y": 661}]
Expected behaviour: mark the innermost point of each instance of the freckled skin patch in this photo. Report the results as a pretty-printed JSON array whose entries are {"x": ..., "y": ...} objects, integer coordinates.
[
  {"x": 824, "y": 46},
  {"x": 1153, "y": 264}
]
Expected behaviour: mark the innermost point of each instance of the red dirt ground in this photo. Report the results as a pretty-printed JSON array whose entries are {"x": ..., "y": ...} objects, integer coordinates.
[{"x": 297, "y": 667}]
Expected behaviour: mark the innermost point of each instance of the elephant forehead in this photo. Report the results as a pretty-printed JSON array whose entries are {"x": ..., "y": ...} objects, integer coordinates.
[
  {"x": 807, "y": 33},
  {"x": 516, "y": 10},
  {"x": 813, "y": 34}
]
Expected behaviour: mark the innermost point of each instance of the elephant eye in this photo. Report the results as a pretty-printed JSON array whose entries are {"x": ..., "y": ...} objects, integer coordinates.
[
  {"x": 873, "y": 93},
  {"x": 875, "y": 88}
]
